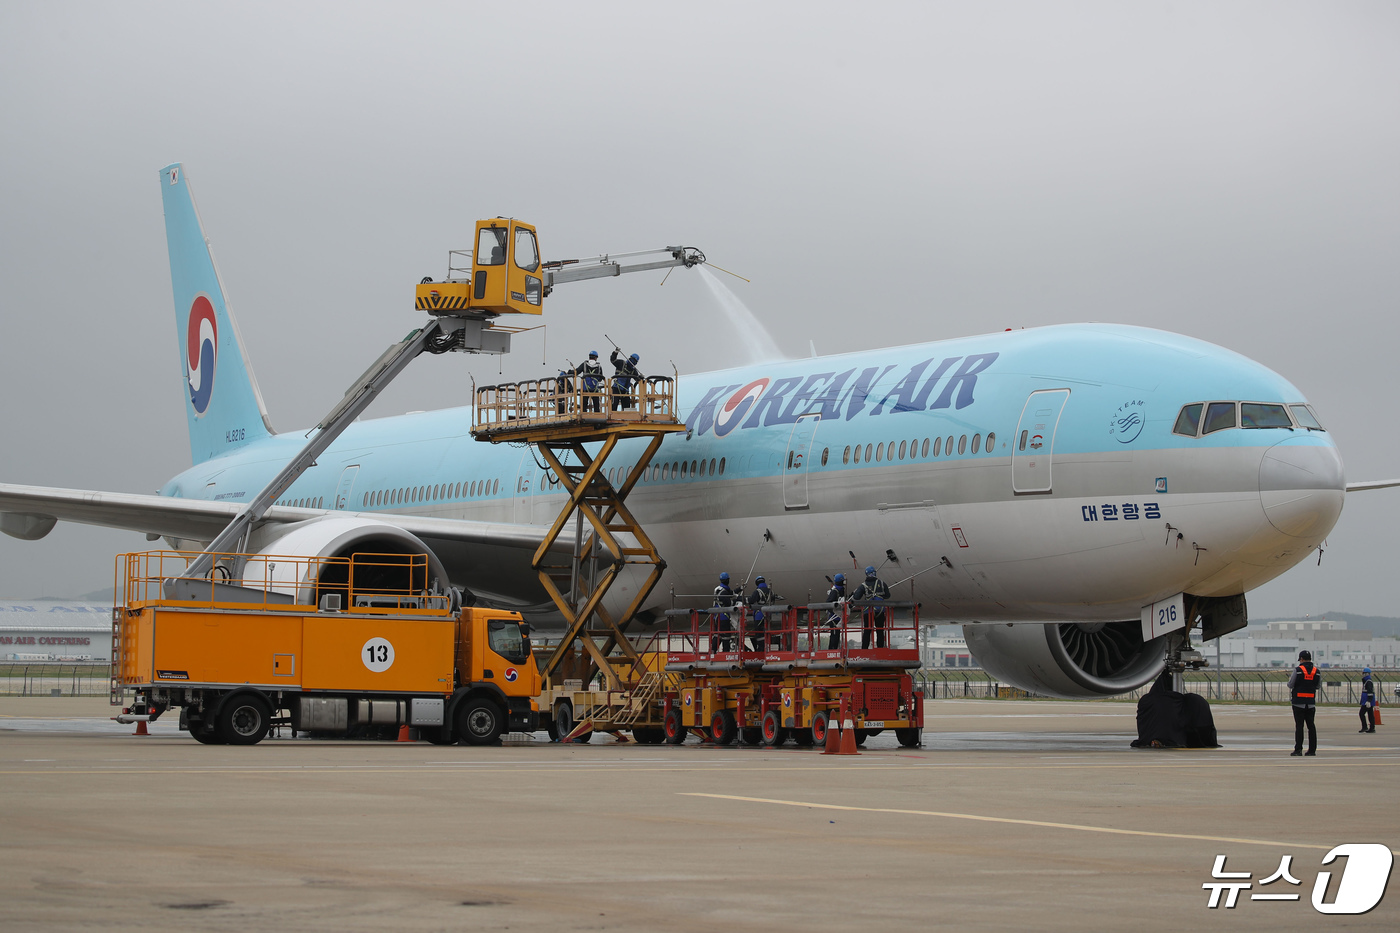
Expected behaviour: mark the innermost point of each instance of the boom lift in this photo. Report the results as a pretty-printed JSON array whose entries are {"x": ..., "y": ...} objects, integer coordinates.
[{"x": 504, "y": 275}]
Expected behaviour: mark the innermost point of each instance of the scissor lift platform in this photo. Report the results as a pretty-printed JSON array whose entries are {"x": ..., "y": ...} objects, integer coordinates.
[{"x": 560, "y": 417}]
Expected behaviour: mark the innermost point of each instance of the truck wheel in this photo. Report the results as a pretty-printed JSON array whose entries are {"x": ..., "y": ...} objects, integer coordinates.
[
  {"x": 723, "y": 729},
  {"x": 244, "y": 720},
  {"x": 564, "y": 723},
  {"x": 820, "y": 724},
  {"x": 200, "y": 734},
  {"x": 911, "y": 737},
  {"x": 480, "y": 722},
  {"x": 675, "y": 731},
  {"x": 773, "y": 732},
  {"x": 552, "y": 730},
  {"x": 438, "y": 735}
]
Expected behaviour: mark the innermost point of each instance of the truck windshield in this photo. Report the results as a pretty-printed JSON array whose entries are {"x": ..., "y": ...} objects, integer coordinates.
[{"x": 508, "y": 639}]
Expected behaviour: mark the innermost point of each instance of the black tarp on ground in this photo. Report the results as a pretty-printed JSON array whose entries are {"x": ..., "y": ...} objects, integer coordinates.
[{"x": 1167, "y": 719}]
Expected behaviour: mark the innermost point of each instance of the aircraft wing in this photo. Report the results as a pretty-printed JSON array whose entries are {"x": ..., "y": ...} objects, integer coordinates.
[
  {"x": 491, "y": 558},
  {"x": 1372, "y": 484}
]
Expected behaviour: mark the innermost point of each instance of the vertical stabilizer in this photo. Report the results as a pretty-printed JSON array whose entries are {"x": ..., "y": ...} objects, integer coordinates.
[{"x": 222, "y": 401}]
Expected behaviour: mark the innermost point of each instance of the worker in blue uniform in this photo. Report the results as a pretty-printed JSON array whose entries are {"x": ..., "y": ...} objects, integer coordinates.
[
  {"x": 720, "y": 624},
  {"x": 1368, "y": 701},
  {"x": 873, "y": 617},
  {"x": 1302, "y": 686},
  {"x": 626, "y": 378},
  {"x": 836, "y": 595},
  {"x": 590, "y": 373},
  {"x": 761, "y": 596}
]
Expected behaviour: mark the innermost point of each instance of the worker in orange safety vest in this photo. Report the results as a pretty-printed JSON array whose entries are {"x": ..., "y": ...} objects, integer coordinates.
[{"x": 1303, "y": 684}]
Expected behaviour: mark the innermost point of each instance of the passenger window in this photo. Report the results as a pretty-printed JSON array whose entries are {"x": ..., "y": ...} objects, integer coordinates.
[
  {"x": 879, "y": 452},
  {"x": 926, "y": 448},
  {"x": 526, "y": 256},
  {"x": 825, "y": 452},
  {"x": 692, "y": 468},
  {"x": 1219, "y": 416},
  {"x": 665, "y": 471},
  {"x": 721, "y": 466},
  {"x": 506, "y": 639},
  {"x": 976, "y": 443},
  {"x": 889, "y": 451},
  {"x": 948, "y": 446},
  {"x": 846, "y": 454},
  {"x": 867, "y": 453},
  {"x": 491, "y": 246},
  {"x": 1022, "y": 444},
  {"x": 1256, "y": 415},
  {"x": 1305, "y": 417},
  {"x": 857, "y": 453},
  {"x": 991, "y": 440},
  {"x": 496, "y": 486},
  {"x": 712, "y": 466},
  {"x": 962, "y": 444},
  {"x": 901, "y": 449},
  {"x": 685, "y": 469},
  {"x": 937, "y": 446}
]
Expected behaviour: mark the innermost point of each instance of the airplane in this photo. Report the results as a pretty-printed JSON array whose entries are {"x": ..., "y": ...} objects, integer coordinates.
[{"x": 1040, "y": 486}]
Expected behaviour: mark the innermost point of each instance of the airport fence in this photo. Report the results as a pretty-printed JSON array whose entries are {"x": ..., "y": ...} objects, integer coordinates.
[
  {"x": 54, "y": 678},
  {"x": 1340, "y": 687}
]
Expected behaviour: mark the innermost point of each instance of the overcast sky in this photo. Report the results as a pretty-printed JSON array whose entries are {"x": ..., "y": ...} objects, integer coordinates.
[{"x": 883, "y": 173}]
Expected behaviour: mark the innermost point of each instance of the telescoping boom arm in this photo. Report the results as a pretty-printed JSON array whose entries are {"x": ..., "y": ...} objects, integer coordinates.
[{"x": 610, "y": 264}]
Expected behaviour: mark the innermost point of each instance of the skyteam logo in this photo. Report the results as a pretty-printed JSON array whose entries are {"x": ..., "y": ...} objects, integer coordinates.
[
  {"x": 201, "y": 353},
  {"x": 734, "y": 410}
]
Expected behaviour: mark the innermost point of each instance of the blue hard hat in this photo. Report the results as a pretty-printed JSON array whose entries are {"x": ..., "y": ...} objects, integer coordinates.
[
  {"x": 724, "y": 578},
  {"x": 634, "y": 358},
  {"x": 592, "y": 354},
  {"x": 870, "y": 571},
  {"x": 840, "y": 579},
  {"x": 759, "y": 580},
  {"x": 1365, "y": 670}
]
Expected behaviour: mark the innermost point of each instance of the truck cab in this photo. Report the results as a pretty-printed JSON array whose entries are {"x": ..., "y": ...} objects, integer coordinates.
[{"x": 497, "y": 679}]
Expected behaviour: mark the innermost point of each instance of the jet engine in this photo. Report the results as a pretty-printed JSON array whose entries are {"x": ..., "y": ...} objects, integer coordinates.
[
  {"x": 383, "y": 563},
  {"x": 1070, "y": 660}
]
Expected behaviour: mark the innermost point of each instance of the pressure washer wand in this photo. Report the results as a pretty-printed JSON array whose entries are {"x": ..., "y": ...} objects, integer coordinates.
[{"x": 767, "y": 536}]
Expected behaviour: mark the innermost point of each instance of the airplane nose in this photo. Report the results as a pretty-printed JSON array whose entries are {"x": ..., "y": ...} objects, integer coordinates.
[{"x": 1302, "y": 486}]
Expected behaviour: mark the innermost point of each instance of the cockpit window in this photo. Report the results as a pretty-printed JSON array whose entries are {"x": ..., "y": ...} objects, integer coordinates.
[
  {"x": 1188, "y": 420},
  {"x": 1219, "y": 416},
  {"x": 507, "y": 639},
  {"x": 1305, "y": 417},
  {"x": 1256, "y": 415}
]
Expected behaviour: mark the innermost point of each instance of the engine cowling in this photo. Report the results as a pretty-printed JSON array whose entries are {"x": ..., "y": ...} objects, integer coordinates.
[
  {"x": 1074, "y": 661},
  {"x": 389, "y": 571}
]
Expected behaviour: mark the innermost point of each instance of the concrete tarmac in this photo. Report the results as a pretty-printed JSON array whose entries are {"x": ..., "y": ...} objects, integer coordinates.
[{"x": 1015, "y": 815}]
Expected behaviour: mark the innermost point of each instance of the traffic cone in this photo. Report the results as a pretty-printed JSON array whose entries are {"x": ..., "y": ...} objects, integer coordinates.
[
  {"x": 1376, "y": 712},
  {"x": 848, "y": 731},
  {"x": 833, "y": 738},
  {"x": 404, "y": 734},
  {"x": 141, "y": 728}
]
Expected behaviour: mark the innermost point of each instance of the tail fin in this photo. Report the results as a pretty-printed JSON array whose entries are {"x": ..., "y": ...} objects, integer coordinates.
[{"x": 222, "y": 401}]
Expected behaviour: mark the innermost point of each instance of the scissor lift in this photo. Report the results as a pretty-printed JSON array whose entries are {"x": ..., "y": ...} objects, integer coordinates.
[
  {"x": 786, "y": 676},
  {"x": 562, "y": 417}
]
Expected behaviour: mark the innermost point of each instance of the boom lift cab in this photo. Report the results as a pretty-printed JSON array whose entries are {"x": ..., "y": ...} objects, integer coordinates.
[{"x": 506, "y": 274}]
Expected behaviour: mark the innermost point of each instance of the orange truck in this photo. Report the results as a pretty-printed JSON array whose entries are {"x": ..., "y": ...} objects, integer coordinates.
[{"x": 297, "y": 641}]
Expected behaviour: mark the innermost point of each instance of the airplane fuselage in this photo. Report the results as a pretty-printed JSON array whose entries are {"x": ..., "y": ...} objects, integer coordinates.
[{"x": 1024, "y": 476}]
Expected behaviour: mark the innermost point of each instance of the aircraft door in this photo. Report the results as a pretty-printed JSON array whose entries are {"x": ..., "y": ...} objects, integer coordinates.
[
  {"x": 795, "y": 465},
  {"x": 1035, "y": 440},
  {"x": 347, "y": 484}
]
